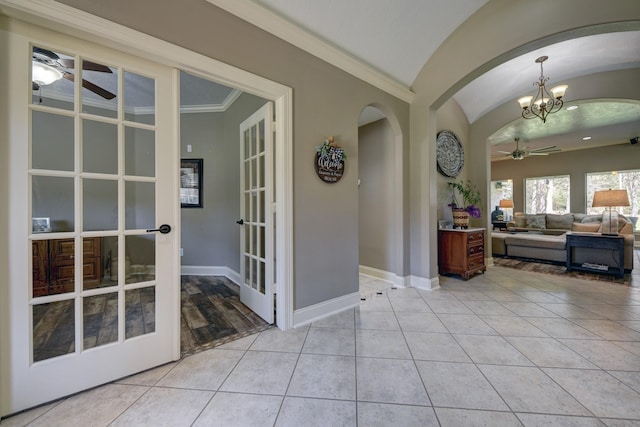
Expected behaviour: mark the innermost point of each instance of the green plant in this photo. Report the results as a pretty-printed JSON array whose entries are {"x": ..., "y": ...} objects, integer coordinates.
[{"x": 470, "y": 197}]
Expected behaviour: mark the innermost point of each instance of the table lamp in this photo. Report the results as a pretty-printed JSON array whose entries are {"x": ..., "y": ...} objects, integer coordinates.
[
  {"x": 506, "y": 204},
  {"x": 608, "y": 199}
]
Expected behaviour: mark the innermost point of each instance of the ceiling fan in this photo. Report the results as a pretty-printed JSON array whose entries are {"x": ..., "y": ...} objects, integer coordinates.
[
  {"x": 519, "y": 154},
  {"x": 49, "y": 63}
]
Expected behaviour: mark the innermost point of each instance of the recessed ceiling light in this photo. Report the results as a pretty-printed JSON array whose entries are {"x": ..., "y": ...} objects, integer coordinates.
[
  {"x": 586, "y": 138},
  {"x": 572, "y": 107}
]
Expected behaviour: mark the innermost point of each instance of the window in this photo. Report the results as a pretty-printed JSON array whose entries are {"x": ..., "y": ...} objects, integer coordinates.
[
  {"x": 629, "y": 180},
  {"x": 548, "y": 194},
  {"x": 500, "y": 190}
]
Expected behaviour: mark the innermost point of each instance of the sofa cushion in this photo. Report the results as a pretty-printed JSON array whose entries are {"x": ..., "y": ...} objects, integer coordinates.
[
  {"x": 590, "y": 227},
  {"x": 562, "y": 222},
  {"x": 592, "y": 218},
  {"x": 537, "y": 241},
  {"x": 537, "y": 221}
]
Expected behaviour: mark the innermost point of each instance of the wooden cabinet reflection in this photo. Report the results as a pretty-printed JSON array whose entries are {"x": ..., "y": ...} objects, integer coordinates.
[{"x": 54, "y": 265}]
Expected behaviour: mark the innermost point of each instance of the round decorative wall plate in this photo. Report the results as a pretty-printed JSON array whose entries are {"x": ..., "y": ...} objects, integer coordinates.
[{"x": 449, "y": 154}]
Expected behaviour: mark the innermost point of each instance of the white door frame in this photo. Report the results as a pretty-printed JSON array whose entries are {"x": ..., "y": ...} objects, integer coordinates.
[{"x": 68, "y": 20}]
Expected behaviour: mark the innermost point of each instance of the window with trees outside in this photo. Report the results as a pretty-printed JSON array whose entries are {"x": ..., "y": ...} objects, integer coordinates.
[
  {"x": 549, "y": 194},
  {"x": 617, "y": 180}
]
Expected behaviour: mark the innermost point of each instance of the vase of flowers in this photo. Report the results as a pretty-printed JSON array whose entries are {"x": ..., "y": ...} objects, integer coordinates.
[{"x": 471, "y": 202}]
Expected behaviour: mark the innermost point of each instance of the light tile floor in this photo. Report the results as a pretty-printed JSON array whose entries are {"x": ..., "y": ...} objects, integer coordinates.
[{"x": 506, "y": 348}]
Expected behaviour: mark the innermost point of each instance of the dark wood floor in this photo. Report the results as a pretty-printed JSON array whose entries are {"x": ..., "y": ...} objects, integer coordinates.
[{"x": 212, "y": 313}]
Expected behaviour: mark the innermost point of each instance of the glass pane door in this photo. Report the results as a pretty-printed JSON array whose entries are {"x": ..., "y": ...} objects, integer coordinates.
[{"x": 101, "y": 175}]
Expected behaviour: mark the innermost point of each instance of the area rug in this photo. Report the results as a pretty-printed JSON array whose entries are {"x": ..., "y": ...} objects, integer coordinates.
[{"x": 560, "y": 270}]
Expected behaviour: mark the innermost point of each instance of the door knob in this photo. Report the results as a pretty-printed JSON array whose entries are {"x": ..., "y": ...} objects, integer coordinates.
[
  {"x": 240, "y": 221},
  {"x": 164, "y": 229}
]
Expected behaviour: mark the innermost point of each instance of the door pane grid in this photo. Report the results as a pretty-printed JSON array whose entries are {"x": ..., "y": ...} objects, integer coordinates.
[
  {"x": 68, "y": 199},
  {"x": 256, "y": 146},
  {"x": 254, "y": 209}
]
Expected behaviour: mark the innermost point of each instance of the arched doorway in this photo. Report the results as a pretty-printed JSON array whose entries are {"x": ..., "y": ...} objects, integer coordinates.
[{"x": 380, "y": 198}]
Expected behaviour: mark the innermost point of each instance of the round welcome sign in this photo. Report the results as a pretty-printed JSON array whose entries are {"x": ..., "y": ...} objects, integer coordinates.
[{"x": 329, "y": 161}]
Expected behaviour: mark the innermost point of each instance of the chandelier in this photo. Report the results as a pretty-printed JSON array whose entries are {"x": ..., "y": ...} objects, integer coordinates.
[{"x": 543, "y": 103}]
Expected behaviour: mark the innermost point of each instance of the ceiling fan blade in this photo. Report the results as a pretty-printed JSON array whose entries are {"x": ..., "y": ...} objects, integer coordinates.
[
  {"x": 547, "y": 148},
  {"x": 44, "y": 52},
  {"x": 505, "y": 152},
  {"x": 533, "y": 153},
  {"x": 90, "y": 86},
  {"x": 86, "y": 65}
]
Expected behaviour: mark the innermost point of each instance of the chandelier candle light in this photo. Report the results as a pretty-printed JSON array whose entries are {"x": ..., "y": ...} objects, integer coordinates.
[{"x": 543, "y": 103}]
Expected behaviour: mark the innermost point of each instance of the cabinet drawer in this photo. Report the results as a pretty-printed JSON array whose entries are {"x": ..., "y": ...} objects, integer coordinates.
[
  {"x": 475, "y": 250},
  {"x": 475, "y": 237},
  {"x": 475, "y": 261}
]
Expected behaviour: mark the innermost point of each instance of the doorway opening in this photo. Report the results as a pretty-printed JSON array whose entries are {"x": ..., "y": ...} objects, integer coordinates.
[
  {"x": 380, "y": 192},
  {"x": 211, "y": 238}
]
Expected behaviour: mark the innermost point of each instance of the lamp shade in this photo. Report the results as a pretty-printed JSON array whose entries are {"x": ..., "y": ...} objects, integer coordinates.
[
  {"x": 610, "y": 198},
  {"x": 506, "y": 203}
]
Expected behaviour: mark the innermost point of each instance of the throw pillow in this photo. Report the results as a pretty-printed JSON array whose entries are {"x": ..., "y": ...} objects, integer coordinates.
[
  {"x": 621, "y": 222},
  {"x": 537, "y": 221},
  {"x": 521, "y": 219},
  {"x": 627, "y": 229},
  {"x": 562, "y": 222},
  {"x": 589, "y": 227}
]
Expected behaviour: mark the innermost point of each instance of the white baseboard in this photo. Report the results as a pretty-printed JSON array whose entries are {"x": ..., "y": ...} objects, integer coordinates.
[
  {"x": 206, "y": 270},
  {"x": 401, "y": 282},
  {"x": 424, "y": 283},
  {"x": 397, "y": 281},
  {"x": 315, "y": 312}
]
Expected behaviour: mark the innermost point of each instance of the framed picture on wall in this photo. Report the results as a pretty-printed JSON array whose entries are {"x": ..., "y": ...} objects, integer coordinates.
[{"x": 191, "y": 183}]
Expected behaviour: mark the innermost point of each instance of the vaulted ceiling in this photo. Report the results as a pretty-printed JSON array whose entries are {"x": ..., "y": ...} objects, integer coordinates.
[{"x": 397, "y": 38}]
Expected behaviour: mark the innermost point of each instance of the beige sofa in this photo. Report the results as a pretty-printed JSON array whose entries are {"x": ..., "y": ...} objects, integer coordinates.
[{"x": 543, "y": 237}]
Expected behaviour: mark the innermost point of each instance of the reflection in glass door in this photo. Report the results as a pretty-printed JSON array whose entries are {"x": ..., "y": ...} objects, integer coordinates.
[
  {"x": 101, "y": 177},
  {"x": 110, "y": 257}
]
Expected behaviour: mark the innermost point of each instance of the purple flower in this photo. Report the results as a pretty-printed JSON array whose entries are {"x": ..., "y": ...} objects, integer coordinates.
[{"x": 474, "y": 211}]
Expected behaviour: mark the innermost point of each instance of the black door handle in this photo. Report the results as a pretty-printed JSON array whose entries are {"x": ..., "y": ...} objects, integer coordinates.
[
  {"x": 164, "y": 229},
  {"x": 240, "y": 221}
]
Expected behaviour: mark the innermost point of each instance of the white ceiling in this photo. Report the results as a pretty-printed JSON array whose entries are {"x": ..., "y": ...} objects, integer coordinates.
[{"x": 395, "y": 37}]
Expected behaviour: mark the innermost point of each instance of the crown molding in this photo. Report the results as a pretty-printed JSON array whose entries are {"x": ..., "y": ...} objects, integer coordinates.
[
  {"x": 273, "y": 23},
  {"x": 201, "y": 108}
]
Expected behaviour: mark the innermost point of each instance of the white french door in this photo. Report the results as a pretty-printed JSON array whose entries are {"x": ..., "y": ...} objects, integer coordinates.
[
  {"x": 94, "y": 283},
  {"x": 256, "y": 236}
]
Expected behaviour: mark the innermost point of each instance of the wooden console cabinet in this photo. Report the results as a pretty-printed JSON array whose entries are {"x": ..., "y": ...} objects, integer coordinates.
[
  {"x": 461, "y": 251},
  {"x": 54, "y": 265}
]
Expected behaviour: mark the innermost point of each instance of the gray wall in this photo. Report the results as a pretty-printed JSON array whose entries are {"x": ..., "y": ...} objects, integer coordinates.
[
  {"x": 576, "y": 164},
  {"x": 376, "y": 196},
  {"x": 210, "y": 236},
  {"x": 327, "y": 101}
]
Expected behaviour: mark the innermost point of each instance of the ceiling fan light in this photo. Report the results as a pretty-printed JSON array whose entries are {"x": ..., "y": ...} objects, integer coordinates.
[
  {"x": 44, "y": 74},
  {"x": 525, "y": 101},
  {"x": 558, "y": 91}
]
